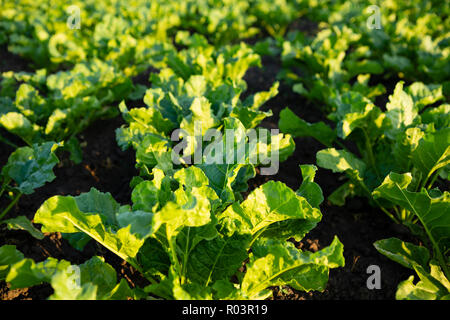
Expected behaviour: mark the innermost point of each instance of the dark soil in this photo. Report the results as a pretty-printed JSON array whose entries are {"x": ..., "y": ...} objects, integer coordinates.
[
  {"x": 104, "y": 167},
  {"x": 109, "y": 169},
  {"x": 12, "y": 62},
  {"x": 357, "y": 224}
]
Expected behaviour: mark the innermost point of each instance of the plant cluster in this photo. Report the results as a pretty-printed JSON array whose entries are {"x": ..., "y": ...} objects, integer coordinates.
[
  {"x": 402, "y": 157},
  {"x": 189, "y": 229},
  {"x": 193, "y": 228}
]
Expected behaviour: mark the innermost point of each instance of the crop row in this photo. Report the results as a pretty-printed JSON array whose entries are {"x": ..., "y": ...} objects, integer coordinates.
[{"x": 194, "y": 231}]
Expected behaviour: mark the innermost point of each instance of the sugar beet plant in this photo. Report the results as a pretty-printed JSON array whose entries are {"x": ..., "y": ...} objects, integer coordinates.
[
  {"x": 79, "y": 75},
  {"x": 350, "y": 54},
  {"x": 405, "y": 152},
  {"x": 193, "y": 229},
  {"x": 182, "y": 240},
  {"x": 28, "y": 168},
  {"x": 82, "y": 73},
  {"x": 186, "y": 240},
  {"x": 189, "y": 230},
  {"x": 402, "y": 155}
]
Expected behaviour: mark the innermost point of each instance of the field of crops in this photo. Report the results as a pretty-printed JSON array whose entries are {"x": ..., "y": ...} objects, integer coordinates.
[{"x": 237, "y": 150}]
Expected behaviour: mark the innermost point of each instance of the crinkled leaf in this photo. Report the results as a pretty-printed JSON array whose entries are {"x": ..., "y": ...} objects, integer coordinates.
[
  {"x": 272, "y": 202},
  {"x": 32, "y": 167},
  {"x": 18, "y": 124},
  {"x": 433, "y": 285},
  {"x": 277, "y": 263},
  {"x": 62, "y": 214},
  {"x": 217, "y": 259},
  {"x": 92, "y": 280},
  {"x": 27, "y": 273}
]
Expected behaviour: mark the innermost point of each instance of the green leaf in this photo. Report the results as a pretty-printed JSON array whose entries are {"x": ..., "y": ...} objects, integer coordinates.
[
  {"x": 92, "y": 280},
  {"x": 201, "y": 112},
  {"x": 22, "y": 223},
  {"x": 365, "y": 66},
  {"x": 292, "y": 124},
  {"x": 217, "y": 259},
  {"x": 76, "y": 153},
  {"x": 276, "y": 263},
  {"x": 433, "y": 285},
  {"x": 310, "y": 190},
  {"x": 356, "y": 111},
  {"x": 401, "y": 110},
  {"x": 152, "y": 195},
  {"x": 277, "y": 147},
  {"x": 432, "y": 152},
  {"x": 32, "y": 167},
  {"x": 63, "y": 214},
  {"x": 272, "y": 202},
  {"x": 98, "y": 202},
  {"x": 405, "y": 253},
  {"x": 153, "y": 258},
  {"x": 65, "y": 287},
  {"x": 424, "y": 95},
  {"x": 341, "y": 193},
  {"x": 141, "y": 122},
  {"x": 30, "y": 103},
  {"x": 406, "y": 142},
  {"x": 437, "y": 116},
  {"x": 18, "y": 124},
  {"x": 431, "y": 212},
  {"x": 257, "y": 100},
  {"x": 96, "y": 271},
  {"x": 194, "y": 212},
  {"x": 154, "y": 152},
  {"x": 191, "y": 291},
  {"x": 9, "y": 255},
  {"x": 27, "y": 273},
  {"x": 93, "y": 201},
  {"x": 77, "y": 240},
  {"x": 342, "y": 161},
  {"x": 227, "y": 176},
  {"x": 249, "y": 118}
]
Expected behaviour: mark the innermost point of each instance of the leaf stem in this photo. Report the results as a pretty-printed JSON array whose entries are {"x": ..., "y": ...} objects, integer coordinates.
[
  {"x": 173, "y": 254},
  {"x": 4, "y": 186},
  {"x": 390, "y": 215},
  {"x": 340, "y": 144},
  {"x": 6, "y": 141},
  {"x": 185, "y": 258},
  {"x": 370, "y": 154},
  {"x": 433, "y": 180},
  {"x": 2, "y": 190},
  {"x": 11, "y": 205},
  {"x": 437, "y": 250},
  {"x": 258, "y": 233}
]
